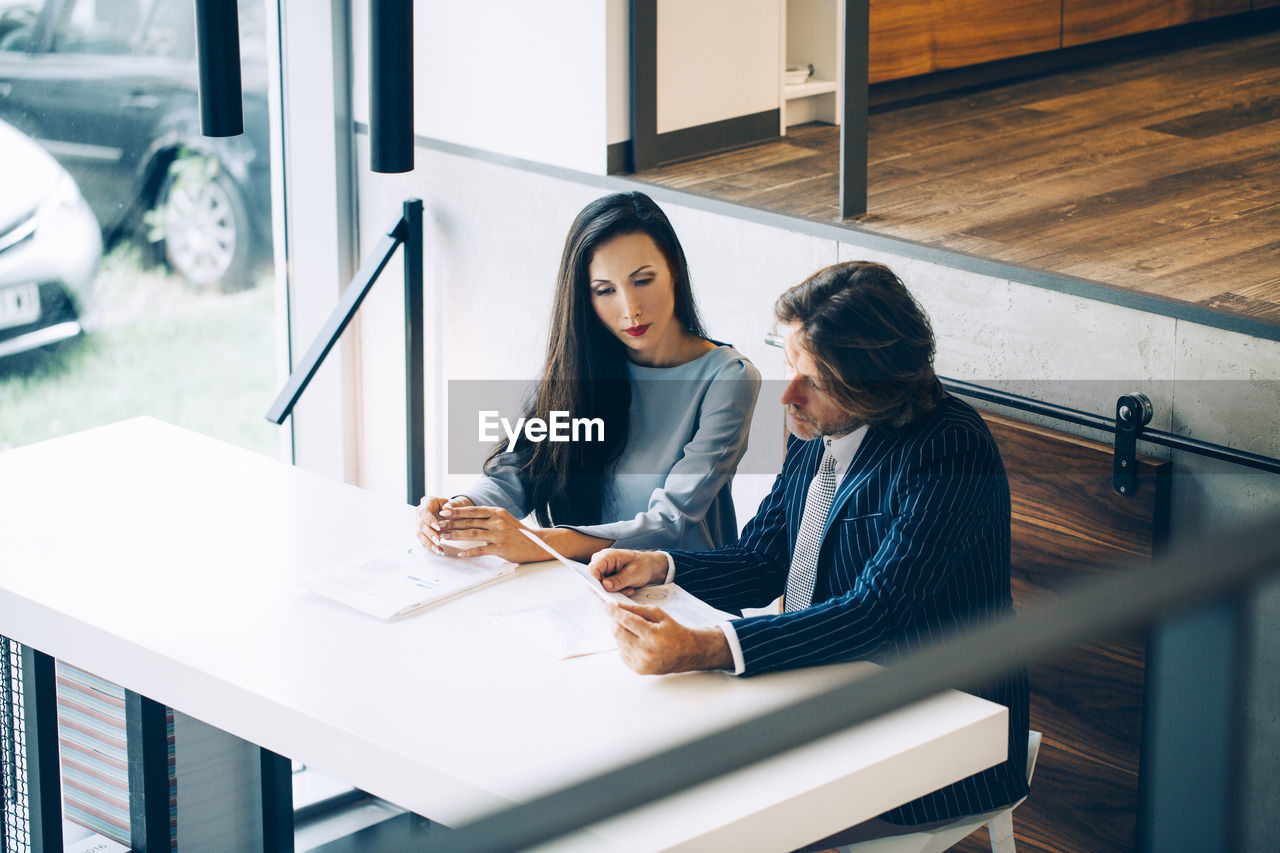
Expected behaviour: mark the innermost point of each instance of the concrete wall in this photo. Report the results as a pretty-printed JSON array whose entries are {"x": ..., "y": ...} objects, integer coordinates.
[{"x": 494, "y": 235}]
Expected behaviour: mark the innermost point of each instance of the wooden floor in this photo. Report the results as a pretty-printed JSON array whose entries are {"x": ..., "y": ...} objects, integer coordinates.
[{"x": 1158, "y": 174}]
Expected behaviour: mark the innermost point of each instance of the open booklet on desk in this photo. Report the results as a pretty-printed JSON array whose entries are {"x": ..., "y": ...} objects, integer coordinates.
[
  {"x": 579, "y": 625},
  {"x": 402, "y": 580}
]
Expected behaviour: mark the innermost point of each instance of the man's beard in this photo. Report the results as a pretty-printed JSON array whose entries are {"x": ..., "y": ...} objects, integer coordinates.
[{"x": 805, "y": 428}]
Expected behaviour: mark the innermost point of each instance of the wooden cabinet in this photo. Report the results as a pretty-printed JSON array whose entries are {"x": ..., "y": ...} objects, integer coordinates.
[
  {"x": 719, "y": 66},
  {"x": 914, "y": 37},
  {"x": 911, "y": 37},
  {"x": 1085, "y": 21}
]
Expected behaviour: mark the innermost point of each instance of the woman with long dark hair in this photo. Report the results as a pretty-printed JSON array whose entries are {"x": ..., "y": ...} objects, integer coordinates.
[{"x": 626, "y": 347}]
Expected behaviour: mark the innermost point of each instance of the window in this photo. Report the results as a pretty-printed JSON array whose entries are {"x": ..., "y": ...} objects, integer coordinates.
[
  {"x": 136, "y": 271},
  {"x": 105, "y": 27}
]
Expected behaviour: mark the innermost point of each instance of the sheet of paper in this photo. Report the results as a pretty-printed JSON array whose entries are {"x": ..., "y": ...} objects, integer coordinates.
[
  {"x": 564, "y": 629},
  {"x": 396, "y": 582},
  {"x": 581, "y": 625},
  {"x": 681, "y": 605},
  {"x": 580, "y": 569}
]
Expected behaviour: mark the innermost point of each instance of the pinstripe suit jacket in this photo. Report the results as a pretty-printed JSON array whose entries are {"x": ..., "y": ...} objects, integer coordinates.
[{"x": 916, "y": 544}]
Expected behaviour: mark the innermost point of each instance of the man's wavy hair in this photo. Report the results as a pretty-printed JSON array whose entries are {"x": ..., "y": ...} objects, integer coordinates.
[{"x": 869, "y": 339}]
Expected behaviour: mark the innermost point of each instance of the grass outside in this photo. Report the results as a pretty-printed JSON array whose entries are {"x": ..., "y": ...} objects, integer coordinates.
[{"x": 200, "y": 360}]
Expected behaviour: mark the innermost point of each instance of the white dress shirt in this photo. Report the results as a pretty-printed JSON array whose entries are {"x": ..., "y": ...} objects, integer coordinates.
[{"x": 844, "y": 449}]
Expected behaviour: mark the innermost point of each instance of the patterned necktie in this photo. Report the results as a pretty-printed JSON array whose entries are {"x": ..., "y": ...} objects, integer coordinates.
[{"x": 804, "y": 562}]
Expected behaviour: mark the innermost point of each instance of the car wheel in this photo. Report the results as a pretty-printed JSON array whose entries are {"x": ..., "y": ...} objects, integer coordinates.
[{"x": 203, "y": 224}]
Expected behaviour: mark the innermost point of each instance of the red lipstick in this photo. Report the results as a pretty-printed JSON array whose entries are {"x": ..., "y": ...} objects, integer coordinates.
[{"x": 637, "y": 331}]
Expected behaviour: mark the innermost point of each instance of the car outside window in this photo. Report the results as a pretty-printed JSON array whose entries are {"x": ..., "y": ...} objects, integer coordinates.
[
  {"x": 17, "y": 20},
  {"x": 164, "y": 35},
  {"x": 107, "y": 88},
  {"x": 102, "y": 27}
]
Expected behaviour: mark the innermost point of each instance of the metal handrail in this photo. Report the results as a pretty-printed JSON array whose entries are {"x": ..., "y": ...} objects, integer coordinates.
[
  {"x": 1096, "y": 608},
  {"x": 1099, "y": 422},
  {"x": 406, "y": 231},
  {"x": 1075, "y": 416}
]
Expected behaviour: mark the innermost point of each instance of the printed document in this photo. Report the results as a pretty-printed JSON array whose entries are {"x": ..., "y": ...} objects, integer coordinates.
[
  {"x": 396, "y": 582},
  {"x": 580, "y": 625}
]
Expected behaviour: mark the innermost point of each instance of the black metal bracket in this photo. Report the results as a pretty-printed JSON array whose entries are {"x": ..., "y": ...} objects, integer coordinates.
[
  {"x": 1133, "y": 412},
  {"x": 277, "y": 802},
  {"x": 147, "y": 742},
  {"x": 406, "y": 231},
  {"x": 44, "y": 779}
]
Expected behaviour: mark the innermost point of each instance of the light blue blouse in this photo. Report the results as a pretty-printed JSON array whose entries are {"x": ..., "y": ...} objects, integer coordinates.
[{"x": 671, "y": 485}]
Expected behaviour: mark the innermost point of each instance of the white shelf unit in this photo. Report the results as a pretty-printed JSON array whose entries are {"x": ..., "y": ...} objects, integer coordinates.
[
  {"x": 808, "y": 89},
  {"x": 810, "y": 35}
]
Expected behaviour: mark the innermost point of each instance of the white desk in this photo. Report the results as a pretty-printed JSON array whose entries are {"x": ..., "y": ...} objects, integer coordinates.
[{"x": 170, "y": 564}]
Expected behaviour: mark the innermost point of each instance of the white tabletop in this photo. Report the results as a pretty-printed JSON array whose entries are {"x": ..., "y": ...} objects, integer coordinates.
[{"x": 170, "y": 564}]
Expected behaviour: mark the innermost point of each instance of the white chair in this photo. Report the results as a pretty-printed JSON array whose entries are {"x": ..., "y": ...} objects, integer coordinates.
[{"x": 999, "y": 825}]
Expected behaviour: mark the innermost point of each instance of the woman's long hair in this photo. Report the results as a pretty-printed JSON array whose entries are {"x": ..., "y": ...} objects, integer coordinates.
[{"x": 586, "y": 368}]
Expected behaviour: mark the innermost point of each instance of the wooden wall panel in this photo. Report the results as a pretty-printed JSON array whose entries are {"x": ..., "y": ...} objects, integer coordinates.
[
  {"x": 1052, "y": 819},
  {"x": 910, "y": 37},
  {"x": 1085, "y": 21},
  {"x": 1061, "y": 484},
  {"x": 1069, "y": 524},
  {"x": 1088, "y": 705},
  {"x": 1100, "y": 716}
]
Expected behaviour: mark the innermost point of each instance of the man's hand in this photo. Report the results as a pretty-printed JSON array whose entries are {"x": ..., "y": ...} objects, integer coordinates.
[
  {"x": 652, "y": 643},
  {"x": 620, "y": 570}
]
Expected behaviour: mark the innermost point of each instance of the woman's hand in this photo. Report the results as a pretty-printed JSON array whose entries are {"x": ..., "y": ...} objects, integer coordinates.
[
  {"x": 498, "y": 529},
  {"x": 429, "y": 519}
]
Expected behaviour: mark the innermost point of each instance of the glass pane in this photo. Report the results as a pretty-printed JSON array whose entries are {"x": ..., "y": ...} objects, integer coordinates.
[
  {"x": 102, "y": 27},
  {"x": 135, "y": 254},
  {"x": 135, "y": 270},
  {"x": 17, "y": 20}
]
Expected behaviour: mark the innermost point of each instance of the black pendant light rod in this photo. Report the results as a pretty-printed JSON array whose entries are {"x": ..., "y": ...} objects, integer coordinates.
[
  {"x": 391, "y": 85},
  {"x": 218, "y": 63}
]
